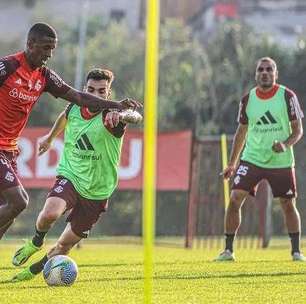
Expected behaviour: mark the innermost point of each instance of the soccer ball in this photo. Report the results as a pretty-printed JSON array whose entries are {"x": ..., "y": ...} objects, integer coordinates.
[{"x": 60, "y": 270}]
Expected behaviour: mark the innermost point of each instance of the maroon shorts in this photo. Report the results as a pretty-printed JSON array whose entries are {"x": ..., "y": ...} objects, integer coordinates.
[
  {"x": 8, "y": 170},
  {"x": 84, "y": 213},
  {"x": 282, "y": 180}
]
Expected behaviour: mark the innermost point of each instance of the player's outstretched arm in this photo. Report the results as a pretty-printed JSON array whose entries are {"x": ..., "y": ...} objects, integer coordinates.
[
  {"x": 58, "y": 127},
  {"x": 95, "y": 103}
]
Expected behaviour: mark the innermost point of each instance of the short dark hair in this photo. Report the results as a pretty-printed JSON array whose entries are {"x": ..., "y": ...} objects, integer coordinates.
[
  {"x": 40, "y": 30},
  {"x": 100, "y": 74},
  {"x": 267, "y": 59}
]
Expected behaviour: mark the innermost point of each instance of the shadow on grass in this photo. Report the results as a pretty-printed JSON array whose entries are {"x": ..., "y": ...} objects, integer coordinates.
[
  {"x": 134, "y": 264},
  {"x": 198, "y": 277},
  {"x": 7, "y": 268},
  {"x": 165, "y": 277}
]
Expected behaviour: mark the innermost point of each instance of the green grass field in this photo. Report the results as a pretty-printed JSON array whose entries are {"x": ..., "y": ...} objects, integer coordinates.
[{"x": 114, "y": 274}]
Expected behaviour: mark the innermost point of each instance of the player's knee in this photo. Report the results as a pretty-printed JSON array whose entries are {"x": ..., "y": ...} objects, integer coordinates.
[
  {"x": 235, "y": 202},
  {"x": 288, "y": 206},
  {"x": 49, "y": 216}
]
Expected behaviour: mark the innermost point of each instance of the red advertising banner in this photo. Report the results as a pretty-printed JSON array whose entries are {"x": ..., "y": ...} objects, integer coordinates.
[{"x": 173, "y": 160}]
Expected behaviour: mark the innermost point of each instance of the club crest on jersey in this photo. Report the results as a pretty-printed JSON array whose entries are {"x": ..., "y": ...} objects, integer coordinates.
[
  {"x": 36, "y": 87},
  {"x": 9, "y": 176},
  {"x": 30, "y": 85}
]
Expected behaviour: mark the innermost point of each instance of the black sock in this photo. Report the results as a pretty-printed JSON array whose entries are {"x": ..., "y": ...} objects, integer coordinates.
[
  {"x": 37, "y": 267},
  {"x": 229, "y": 240},
  {"x": 38, "y": 238},
  {"x": 295, "y": 242}
]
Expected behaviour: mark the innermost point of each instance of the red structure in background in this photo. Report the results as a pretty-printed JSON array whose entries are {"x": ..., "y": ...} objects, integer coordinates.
[
  {"x": 173, "y": 160},
  {"x": 226, "y": 10}
]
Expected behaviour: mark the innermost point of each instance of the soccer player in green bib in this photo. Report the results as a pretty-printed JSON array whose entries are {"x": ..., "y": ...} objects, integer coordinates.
[
  {"x": 269, "y": 126},
  {"x": 87, "y": 172}
]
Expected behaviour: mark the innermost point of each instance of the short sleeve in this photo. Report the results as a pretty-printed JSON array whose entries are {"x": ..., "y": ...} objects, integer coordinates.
[
  {"x": 242, "y": 115},
  {"x": 293, "y": 106},
  {"x": 54, "y": 84},
  {"x": 8, "y": 66}
]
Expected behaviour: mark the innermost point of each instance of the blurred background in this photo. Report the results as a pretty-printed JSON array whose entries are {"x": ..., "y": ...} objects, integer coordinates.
[{"x": 208, "y": 51}]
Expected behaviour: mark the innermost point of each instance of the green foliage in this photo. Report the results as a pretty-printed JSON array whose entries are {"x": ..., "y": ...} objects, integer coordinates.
[{"x": 200, "y": 86}]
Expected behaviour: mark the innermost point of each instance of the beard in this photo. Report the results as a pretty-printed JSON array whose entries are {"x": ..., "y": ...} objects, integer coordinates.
[{"x": 266, "y": 84}]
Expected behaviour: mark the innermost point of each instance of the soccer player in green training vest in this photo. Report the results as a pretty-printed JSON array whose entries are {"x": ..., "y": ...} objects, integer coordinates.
[
  {"x": 87, "y": 172},
  {"x": 269, "y": 125}
]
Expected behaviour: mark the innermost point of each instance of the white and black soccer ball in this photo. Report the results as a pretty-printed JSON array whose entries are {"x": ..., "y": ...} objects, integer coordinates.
[{"x": 60, "y": 270}]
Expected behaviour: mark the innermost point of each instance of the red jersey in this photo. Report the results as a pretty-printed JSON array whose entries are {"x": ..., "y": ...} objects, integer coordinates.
[{"x": 20, "y": 89}]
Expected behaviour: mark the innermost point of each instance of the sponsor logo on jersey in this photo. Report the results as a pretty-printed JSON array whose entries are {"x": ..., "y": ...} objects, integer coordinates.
[
  {"x": 289, "y": 192},
  {"x": 18, "y": 81},
  {"x": 56, "y": 79},
  {"x": 22, "y": 96},
  {"x": 267, "y": 123},
  {"x": 83, "y": 143},
  {"x": 266, "y": 119}
]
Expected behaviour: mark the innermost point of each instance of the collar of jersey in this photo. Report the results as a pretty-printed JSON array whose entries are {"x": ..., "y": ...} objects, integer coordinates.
[
  {"x": 267, "y": 95},
  {"x": 86, "y": 114}
]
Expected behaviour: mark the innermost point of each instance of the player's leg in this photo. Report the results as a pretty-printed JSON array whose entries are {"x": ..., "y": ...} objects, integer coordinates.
[
  {"x": 53, "y": 209},
  {"x": 13, "y": 194},
  {"x": 60, "y": 198},
  {"x": 283, "y": 184},
  {"x": 232, "y": 222},
  {"x": 16, "y": 201},
  {"x": 244, "y": 182},
  {"x": 4, "y": 228},
  {"x": 293, "y": 222},
  {"x": 80, "y": 221},
  {"x": 64, "y": 244}
]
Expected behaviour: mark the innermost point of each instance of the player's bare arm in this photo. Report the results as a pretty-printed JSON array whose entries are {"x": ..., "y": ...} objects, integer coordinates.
[
  {"x": 95, "y": 103},
  {"x": 295, "y": 136},
  {"x": 58, "y": 127},
  {"x": 238, "y": 144}
]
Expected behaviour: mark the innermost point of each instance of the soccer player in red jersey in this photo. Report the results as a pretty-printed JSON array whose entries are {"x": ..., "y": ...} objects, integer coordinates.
[{"x": 24, "y": 77}]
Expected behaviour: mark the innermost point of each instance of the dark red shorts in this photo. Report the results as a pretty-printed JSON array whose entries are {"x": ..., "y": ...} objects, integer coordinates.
[
  {"x": 282, "y": 180},
  {"x": 84, "y": 213},
  {"x": 8, "y": 170}
]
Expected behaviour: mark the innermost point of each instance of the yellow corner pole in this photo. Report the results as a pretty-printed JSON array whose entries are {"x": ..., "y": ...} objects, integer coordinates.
[
  {"x": 224, "y": 165},
  {"x": 150, "y": 122}
]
